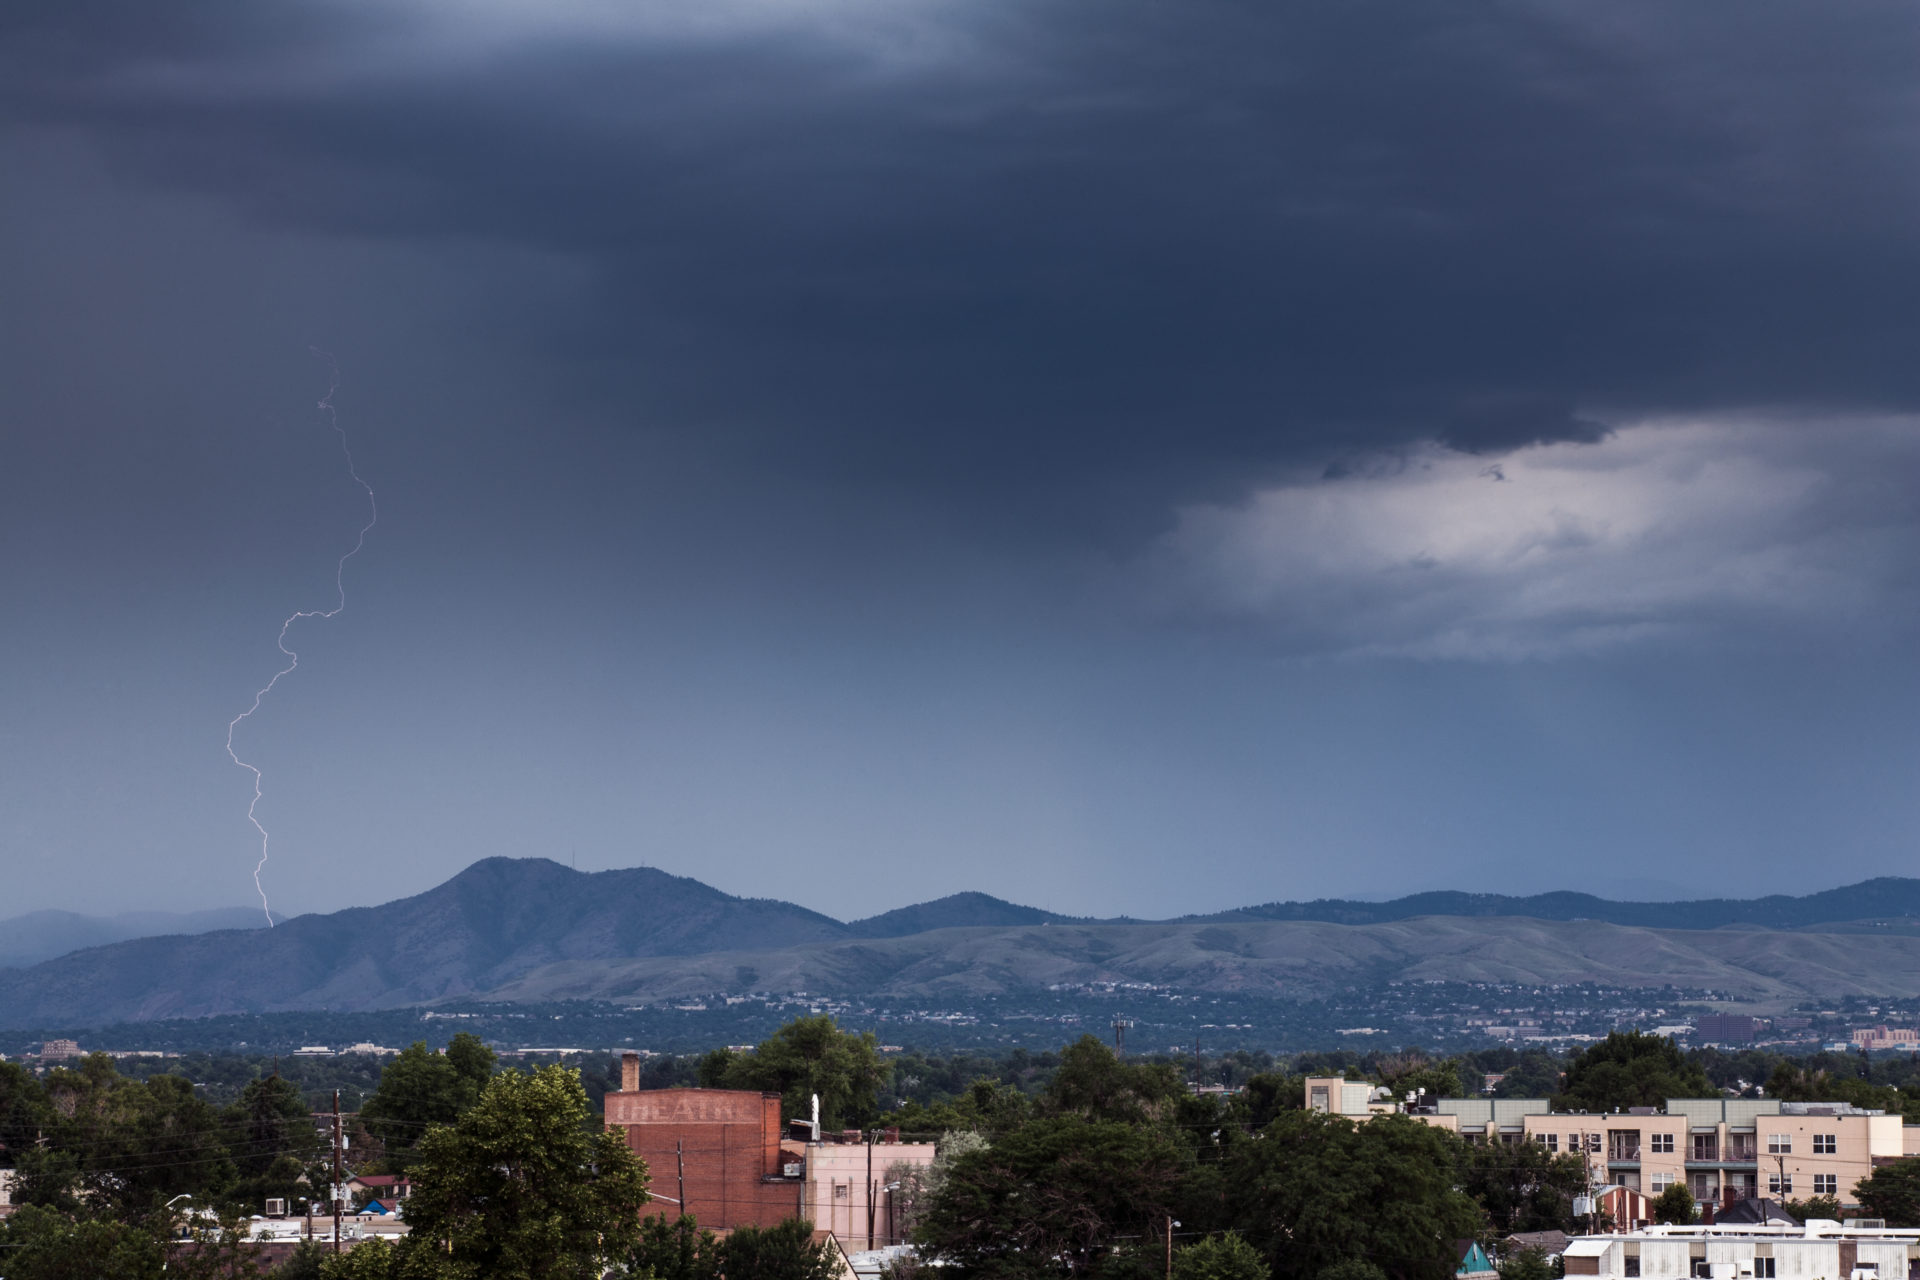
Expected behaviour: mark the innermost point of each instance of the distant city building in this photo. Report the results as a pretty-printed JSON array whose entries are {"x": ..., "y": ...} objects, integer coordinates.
[
  {"x": 1885, "y": 1037},
  {"x": 60, "y": 1051},
  {"x": 313, "y": 1051},
  {"x": 1726, "y": 1028}
]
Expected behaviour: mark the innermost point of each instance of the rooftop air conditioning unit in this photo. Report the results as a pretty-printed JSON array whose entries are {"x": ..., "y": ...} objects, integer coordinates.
[
  {"x": 276, "y": 1208},
  {"x": 792, "y": 1170}
]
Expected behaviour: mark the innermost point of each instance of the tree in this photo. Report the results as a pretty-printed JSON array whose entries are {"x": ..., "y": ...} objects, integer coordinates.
[
  {"x": 1530, "y": 1263},
  {"x": 1892, "y": 1192},
  {"x": 377, "y": 1259},
  {"x": 1522, "y": 1186},
  {"x": 1058, "y": 1193},
  {"x": 1409, "y": 1072},
  {"x": 676, "y": 1250},
  {"x": 1814, "y": 1207},
  {"x": 1092, "y": 1082},
  {"x": 1674, "y": 1206},
  {"x": 1535, "y": 1075},
  {"x": 1315, "y": 1190},
  {"x": 1269, "y": 1094},
  {"x": 43, "y": 1244},
  {"x": 270, "y": 1130},
  {"x": 1630, "y": 1069},
  {"x": 25, "y": 1113},
  {"x": 421, "y": 1088},
  {"x": 126, "y": 1146},
  {"x": 1222, "y": 1257},
  {"x": 519, "y": 1188},
  {"x": 782, "y": 1252},
  {"x": 809, "y": 1056}
]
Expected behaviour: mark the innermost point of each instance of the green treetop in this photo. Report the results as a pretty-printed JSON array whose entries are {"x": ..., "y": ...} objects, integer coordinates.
[{"x": 1631, "y": 1069}]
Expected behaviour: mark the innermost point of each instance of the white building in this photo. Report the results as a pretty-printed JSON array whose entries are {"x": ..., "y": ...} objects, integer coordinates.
[{"x": 1817, "y": 1251}]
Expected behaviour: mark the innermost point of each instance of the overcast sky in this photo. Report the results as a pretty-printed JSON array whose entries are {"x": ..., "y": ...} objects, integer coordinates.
[{"x": 1116, "y": 455}]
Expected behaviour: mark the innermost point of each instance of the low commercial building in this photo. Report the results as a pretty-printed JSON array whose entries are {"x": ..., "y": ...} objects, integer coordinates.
[
  {"x": 1817, "y": 1251},
  {"x": 1721, "y": 1149},
  {"x": 712, "y": 1153}
]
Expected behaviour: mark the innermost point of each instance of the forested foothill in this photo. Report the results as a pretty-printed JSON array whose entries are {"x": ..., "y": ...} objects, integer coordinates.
[{"x": 1070, "y": 1163}]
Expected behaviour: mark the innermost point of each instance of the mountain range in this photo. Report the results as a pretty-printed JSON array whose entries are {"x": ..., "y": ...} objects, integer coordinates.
[{"x": 533, "y": 929}]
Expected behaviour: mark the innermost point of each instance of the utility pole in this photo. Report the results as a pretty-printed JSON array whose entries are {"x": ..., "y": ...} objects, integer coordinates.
[
  {"x": 1169, "y": 1247},
  {"x": 680, "y": 1168},
  {"x": 871, "y": 1192},
  {"x": 1120, "y": 1026},
  {"x": 335, "y": 1193}
]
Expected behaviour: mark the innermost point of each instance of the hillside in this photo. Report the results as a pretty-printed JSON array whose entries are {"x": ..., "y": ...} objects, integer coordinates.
[
  {"x": 956, "y": 911},
  {"x": 1882, "y": 899},
  {"x": 533, "y": 929},
  {"x": 492, "y": 923},
  {"x": 1279, "y": 958}
]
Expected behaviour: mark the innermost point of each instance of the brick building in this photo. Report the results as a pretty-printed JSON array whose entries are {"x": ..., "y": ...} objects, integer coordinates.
[{"x": 722, "y": 1146}]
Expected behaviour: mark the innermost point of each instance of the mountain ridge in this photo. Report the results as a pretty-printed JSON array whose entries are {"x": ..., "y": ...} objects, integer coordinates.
[{"x": 503, "y": 923}]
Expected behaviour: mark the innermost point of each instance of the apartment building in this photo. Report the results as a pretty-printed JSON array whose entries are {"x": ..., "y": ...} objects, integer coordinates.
[
  {"x": 1817, "y": 1251},
  {"x": 1722, "y": 1149}
]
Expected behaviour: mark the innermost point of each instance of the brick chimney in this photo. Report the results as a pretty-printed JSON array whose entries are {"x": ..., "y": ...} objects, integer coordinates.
[{"x": 629, "y": 1072}]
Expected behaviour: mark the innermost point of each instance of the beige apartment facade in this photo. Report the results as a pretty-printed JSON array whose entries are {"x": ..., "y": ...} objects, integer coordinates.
[{"x": 1721, "y": 1149}]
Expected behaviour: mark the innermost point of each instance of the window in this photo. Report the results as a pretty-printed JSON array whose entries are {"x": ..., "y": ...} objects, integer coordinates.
[
  {"x": 1763, "y": 1269},
  {"x": 1552, "y": 1140},
  {"x": 1779, "y": 1144},
  {"x": 1662, "y": 1144},
  {"x": 1593, "y": 1143},
  {"x": 1630, "y": 1265},
  {"x": 1706, "y": 1146},
  {"x": 1319, "y": 1100},
  {"x": 1660, "y": 1182},
  {"x": 1825, "y": 1144},
  {"x": 1779, "y": 1186},
  {"x": 1826, "y": 1184}
]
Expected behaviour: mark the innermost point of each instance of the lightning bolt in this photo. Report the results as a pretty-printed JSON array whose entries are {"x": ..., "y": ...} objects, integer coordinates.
[{"x": 293, "y": 658}]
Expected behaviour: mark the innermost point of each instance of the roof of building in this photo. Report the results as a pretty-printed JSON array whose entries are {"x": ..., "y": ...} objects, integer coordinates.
[
  {"x": 1752, "y": 1210},
  {"x": 1551, "y": 1242}
]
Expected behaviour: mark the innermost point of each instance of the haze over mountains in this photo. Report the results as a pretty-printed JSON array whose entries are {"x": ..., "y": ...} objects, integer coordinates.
[
  {"x": 532, "y": 929},
  {"x": 42, "y": 935}
]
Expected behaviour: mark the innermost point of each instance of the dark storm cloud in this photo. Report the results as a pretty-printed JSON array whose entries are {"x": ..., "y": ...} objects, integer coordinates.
[
  {"x": 1090, "y": 258},
  {"x": 1504, "y": 423}
]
